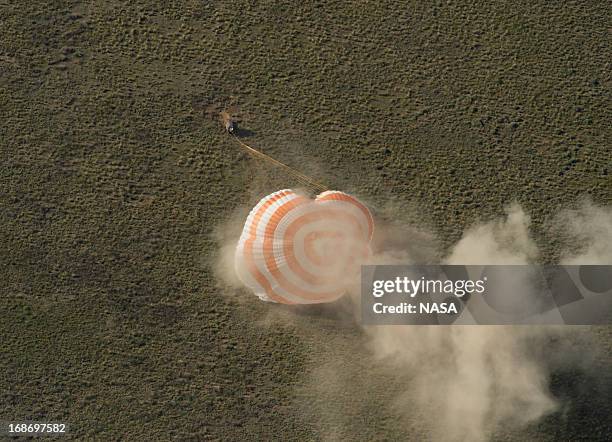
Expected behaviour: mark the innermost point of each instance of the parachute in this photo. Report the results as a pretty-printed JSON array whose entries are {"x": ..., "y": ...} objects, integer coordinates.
[{"x": 295, "y": 250}]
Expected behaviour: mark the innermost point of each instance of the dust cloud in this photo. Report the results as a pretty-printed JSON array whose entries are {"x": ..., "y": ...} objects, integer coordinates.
[
  {"x": 226, "y": 236},
  {"x": 500, "y": 242},
  {"x": 590, "y": 226},
  {"x": 469, "y": 380},
  {"x": 456, "y": 383}
]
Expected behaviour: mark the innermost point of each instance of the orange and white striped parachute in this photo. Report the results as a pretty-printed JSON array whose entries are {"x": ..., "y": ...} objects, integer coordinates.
[{"x": 295, "y": 250}]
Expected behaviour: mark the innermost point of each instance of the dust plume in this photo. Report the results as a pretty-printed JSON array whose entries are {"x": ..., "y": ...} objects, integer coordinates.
[
  {"x": 590, "y": 227},
  {"x": 469, "y": 380},
  {"x": 455, "y": 383},
  {"x": 504, "y": 241},
  {"x": 226, "y": 236}
]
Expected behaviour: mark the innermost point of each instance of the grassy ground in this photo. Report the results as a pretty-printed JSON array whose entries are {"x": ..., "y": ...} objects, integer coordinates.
[{"x": 113, "y": 182}]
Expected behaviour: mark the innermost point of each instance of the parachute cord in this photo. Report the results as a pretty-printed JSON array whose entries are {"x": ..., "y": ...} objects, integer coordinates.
[{"x": 304, "y": 179}]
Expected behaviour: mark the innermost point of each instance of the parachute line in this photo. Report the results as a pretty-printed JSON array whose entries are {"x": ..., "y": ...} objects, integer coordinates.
[{"x": 303, "y": 179}]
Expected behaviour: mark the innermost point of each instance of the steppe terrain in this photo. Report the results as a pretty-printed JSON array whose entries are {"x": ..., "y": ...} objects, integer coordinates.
[{"x": 117, "y": 188}]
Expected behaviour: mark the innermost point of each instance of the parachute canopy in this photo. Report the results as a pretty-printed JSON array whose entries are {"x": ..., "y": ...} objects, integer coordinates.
[{"x": 295, "y": 250}]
